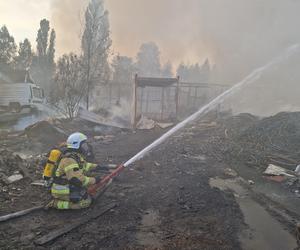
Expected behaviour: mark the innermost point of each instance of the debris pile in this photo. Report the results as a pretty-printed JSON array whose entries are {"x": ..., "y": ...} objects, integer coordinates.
[
  {"x": 261, "y": 144},
  {"x": 46, "y": 131},
  {"x": 10, "y": 163},
  {"x": 42, "y": 136},
  {"x": 13, "y": 168},
  {"x": 274, "y": 139}
]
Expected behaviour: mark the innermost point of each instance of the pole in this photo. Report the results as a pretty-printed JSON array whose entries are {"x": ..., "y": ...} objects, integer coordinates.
[
  {"x": 135, "y": 100},
  {"x": 142, "y": 100},
  {"x": 162, "y": 103},
  {"x": 177, "y": 96}
]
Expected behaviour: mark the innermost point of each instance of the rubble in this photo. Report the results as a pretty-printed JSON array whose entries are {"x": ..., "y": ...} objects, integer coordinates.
[
  {"x": 269, "y": 146},
  {"x": 250, "y": 182},
  {"x": 146, "y": 124},
  {"x": 277, "y": 171},
  {"x": 297, "y": 170},
  {"x": 230, "y": 172},
  {"x": 104, "y": 138},
  {"x": 96, "y": 118},
  {"x": 273, "y": 139},
  {"x": 9, "y": 162},
  {"x": 14, "y": 178},
  {"x": 172, "y": 180},
  {"x": 46, "y": 132}
]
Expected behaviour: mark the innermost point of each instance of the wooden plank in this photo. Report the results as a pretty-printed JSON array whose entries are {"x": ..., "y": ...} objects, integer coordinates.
[{"x": 68, "y": 228}]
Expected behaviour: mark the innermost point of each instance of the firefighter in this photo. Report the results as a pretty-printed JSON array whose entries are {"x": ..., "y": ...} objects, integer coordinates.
[{"x": 70, "y": 182}]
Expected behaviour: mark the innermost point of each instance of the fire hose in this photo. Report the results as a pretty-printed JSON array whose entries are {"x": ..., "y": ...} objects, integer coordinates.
[{"x": 92, "y": 190}]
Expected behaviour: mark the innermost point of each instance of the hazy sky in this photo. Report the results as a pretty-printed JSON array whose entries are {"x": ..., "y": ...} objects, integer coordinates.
[
  {"x": 22, "y": 16},
  {"x": 238, "y": 35},
  {"x": 131, "y": 24}
]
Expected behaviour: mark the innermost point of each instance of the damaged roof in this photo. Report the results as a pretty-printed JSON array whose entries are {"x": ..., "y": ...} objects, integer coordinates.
[{"x": 155, "y": 82}]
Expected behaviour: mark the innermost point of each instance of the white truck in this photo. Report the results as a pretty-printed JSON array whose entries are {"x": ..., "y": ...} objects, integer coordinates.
[{"x": 16, "y": 96}]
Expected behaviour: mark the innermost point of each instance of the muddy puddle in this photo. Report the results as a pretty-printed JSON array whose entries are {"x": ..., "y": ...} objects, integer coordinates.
[
  {"x": 149, "y": 233},
  {"x": 263, "y": 232}
]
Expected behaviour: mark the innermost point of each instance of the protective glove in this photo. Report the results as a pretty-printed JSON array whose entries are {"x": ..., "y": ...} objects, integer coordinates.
[
  {"x": 48, "y": 183},
  {"x": 98, "y": 179}
]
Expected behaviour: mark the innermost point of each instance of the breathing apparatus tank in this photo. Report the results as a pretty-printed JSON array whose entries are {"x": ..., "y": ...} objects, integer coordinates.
[{"x": 50, "y": 167}]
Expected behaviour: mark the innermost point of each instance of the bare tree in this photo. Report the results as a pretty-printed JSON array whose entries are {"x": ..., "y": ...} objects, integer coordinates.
[
  {"x": 69, "y": 88},
  {"x": 96, "y": 43}
]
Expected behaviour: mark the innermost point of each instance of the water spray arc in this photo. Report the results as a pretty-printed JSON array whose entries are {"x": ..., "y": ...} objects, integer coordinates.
[{"x": 255, "y": 75}]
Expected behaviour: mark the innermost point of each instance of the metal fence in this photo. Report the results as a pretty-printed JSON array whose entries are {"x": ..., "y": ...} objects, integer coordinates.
[{"x": 162, "y": 100}]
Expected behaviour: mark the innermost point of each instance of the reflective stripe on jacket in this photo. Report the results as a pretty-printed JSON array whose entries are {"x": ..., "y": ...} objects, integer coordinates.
[{"x": 69, "y": 168}]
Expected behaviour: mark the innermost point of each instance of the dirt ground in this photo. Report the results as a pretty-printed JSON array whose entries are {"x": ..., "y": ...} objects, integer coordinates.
[{"x": 165, "y": 201}]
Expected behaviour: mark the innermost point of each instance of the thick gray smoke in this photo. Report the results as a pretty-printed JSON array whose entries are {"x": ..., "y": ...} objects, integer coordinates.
[
  {"x": 236, "y": 35},
  {"x": 67, "y": 17}
]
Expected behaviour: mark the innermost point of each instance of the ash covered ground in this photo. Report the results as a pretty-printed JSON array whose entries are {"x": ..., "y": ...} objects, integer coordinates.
[{"x": 165, "y": 201}]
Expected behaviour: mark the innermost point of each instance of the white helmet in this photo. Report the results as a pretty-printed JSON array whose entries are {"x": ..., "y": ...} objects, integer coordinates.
[{"x": 74, "y": 140}]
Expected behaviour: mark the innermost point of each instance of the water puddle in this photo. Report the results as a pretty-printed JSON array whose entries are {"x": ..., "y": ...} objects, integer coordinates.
[
  {"x": 149, "y": 233},
  {"x": 264, "y": 231}
]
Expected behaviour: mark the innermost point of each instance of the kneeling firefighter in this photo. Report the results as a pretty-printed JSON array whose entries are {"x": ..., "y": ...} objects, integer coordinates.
[{"x": 70, "y": 183}]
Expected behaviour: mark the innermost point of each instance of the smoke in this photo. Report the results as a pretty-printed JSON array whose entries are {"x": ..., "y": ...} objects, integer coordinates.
[
  {"x": 236, "y": 35},
  {"x": 275, "y": 91},
  {"x": 67, "y": 17}
]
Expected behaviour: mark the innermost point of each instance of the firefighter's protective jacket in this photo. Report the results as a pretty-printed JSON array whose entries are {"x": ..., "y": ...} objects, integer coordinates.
[{"x": 69, "y": 169}]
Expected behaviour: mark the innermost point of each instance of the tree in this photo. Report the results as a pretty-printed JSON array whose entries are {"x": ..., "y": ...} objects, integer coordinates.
[
  {"x": 95, "y": 44},
  {"x": 8, "y": 47},
  {"x": 69, "y": 89},
  {"x": 123, "y": 69},
  {"x": 122, "y": 74},
  {"x": 51, "y": 48},
  {"x": 194, "y": 73},
  {"x": 148, "y": 60},
  {"x": 25, "y": 54},
  {"x": 167, "y": 69},
  {"x": 183, "y": 71},
  {"x": 43, "y": 65},
  {"x": 42, "y": 39},
  {"x": 205, "y": 69}
]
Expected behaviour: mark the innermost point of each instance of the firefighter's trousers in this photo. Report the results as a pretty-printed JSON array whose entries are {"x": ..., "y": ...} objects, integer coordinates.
[{"x": 69, "y": 197}]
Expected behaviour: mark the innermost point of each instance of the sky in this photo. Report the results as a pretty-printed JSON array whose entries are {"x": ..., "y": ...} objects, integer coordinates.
[
  {"x": 130, "y": 24},
  {"x": 237, "y": 35},
  {"x": 22, "y": 17}
]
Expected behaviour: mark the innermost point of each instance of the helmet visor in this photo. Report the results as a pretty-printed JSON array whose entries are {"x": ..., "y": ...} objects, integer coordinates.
[{"x": 86, "y": 149}]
